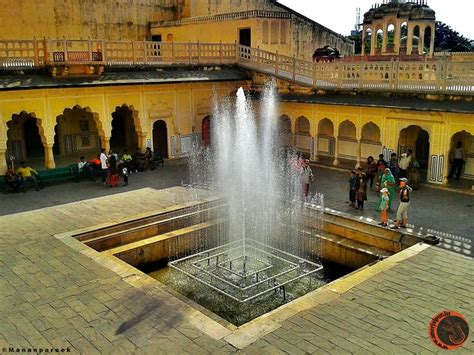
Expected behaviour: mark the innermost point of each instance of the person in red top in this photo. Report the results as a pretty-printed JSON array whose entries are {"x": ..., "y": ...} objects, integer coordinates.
[{"x": 381, "y": 166}]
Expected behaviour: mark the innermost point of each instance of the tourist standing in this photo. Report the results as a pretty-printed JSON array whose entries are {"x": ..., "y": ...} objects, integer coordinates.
[
  {"x": 405, "y": 162},
  {"x": 103, "y": 166},
  {"x": 371, "y": 171},
  {"x": 402, "y": 211},
  {"x": 388, "y": 181},
  {"x": 113, "y": 171},
  {"x": 361, "y": 189},
  {"x": 393, "y": 166},
  {"x": 381, "y": 166},
  {"x": 383, "y": 206},
  {"x": 306, "y": 178},
  {"x": 352, "y": 190},
  {"x": 457, "y": 162}
]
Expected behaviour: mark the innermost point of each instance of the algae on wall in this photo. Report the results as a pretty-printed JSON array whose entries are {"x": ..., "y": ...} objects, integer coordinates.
[{"x": 81, "y": 19}]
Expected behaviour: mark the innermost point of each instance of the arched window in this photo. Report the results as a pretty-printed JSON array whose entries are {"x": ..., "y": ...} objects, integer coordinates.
[
  {"x": 302, "y": 126},
  {"x": 265, "y": 32},
  {"x": 284, "y": 32},
  {"x": 368, "y": 41},
  {"x": 347, "y": 130},
  {"x": 275, "y": 32},
  {"x": 390, "y": 38}
]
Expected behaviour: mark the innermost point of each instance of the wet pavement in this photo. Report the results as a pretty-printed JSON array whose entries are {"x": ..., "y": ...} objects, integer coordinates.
[{"x": 445, "y": 213}]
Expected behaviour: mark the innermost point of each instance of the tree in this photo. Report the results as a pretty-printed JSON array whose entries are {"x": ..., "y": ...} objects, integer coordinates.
[
  {"x": 449, "y": 40},
  {"x": 357, "y": 43}
]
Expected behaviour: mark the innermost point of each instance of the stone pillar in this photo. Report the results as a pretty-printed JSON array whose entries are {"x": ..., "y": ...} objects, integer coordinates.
[
  {"x": 384, "y": 39},
  {"x": 421, "y": 40},
  {"x": 3, "y": 161},
  {"x": 432, "y": 42},
  {"x": 396, "y": 38},
  {"x": 142, "y": 141},
  {"x": 363, "y": 41},
  {"x": 105, "y": 142},
  {"x": 359, "y": 147},
  {"x": 410, "y": 39},
  {"x": 336, "y": 152},
  {"x": 49, "y": 162},
  {"x": 373, "y": 42},
  {"x": 315, "y": 149}
]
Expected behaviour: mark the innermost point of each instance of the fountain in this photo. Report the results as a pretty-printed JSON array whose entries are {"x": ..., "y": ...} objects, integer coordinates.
[
  {"x": 240, "y": 240},
  {"x": 258, "y": 254}
]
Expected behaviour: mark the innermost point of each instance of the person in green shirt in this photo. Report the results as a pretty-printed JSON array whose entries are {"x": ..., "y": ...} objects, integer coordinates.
[
  {"x": 387, "y": 181},
  {"x": 27, "y": 174},
  {"x": 383, "y": 206}
]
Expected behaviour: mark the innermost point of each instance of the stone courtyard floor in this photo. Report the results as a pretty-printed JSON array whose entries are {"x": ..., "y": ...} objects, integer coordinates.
[{"x": 54, "y": 295}]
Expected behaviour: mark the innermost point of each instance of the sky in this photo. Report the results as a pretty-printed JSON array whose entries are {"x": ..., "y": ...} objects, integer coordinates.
[{"x": 340, "y": 15}]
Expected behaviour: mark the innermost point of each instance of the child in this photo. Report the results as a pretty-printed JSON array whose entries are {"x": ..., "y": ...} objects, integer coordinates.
[
  {"x": 361, "y": 189},
  {"x": 384, "y": 199},
  {"x": 352, "y": 190}
]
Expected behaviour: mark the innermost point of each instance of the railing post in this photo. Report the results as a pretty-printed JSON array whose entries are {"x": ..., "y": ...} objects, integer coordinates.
[
  {"x": 294, "y": 67},
  {"x": 190, "y": 52},
  {"x": 257, "y": 52},
  {"x": 145, "y": 60},
  {"x": 340, "y": 72},
  {"x": 50, "y": 51},
  {"x": 173, "y": 60},
  {"x": 315, "y": 78},
  {"x": 134, "y": 57},
  {"x": 443, "y": 77},
  {"x": 220, "y": 52},
  {"x": 35, "y": 51},
  {"x": 277, "y": 62},
  {"x": 65, "y": 50},
  {"x": 104, "y": 50},
  {"x": 89, "y": 47},
  {"x": 236, "y": 53},
  {"x": 199, "y": 52}
]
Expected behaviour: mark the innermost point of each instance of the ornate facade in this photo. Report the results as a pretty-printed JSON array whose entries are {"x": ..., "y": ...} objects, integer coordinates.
[{"x": 335, "y": 113}]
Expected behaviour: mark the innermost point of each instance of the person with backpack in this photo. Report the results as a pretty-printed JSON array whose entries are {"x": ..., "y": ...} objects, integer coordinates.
[{"x": 402, "y": 211}]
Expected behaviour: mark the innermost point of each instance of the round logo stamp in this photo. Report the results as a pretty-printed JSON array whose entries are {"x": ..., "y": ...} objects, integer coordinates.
[{"x": 448, "y": 330}]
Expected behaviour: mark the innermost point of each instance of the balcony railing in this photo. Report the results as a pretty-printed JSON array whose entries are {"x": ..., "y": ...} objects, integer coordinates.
[{"x": 438, "y": 75}]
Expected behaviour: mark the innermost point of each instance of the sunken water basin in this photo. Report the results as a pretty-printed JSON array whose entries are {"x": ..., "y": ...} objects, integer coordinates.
[{"x": 187, "y": 248}]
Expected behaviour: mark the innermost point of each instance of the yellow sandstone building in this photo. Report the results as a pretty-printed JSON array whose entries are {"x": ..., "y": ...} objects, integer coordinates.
[{"x": 81, "y": 77}]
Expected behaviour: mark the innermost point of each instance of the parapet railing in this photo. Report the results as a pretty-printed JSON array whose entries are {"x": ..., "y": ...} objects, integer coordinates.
[{"x": 437, "y": 75}]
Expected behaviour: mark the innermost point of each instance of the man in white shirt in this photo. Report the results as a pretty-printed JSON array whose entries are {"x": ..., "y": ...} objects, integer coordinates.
[
  {"x": 404, "y": 164},
  {"x": 457, "y": 162},
  {"x": 103, "y": 165}
]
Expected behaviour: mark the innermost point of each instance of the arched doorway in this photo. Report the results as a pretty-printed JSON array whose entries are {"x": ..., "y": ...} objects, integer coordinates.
[
  {"x": 284, "y": 131},
  {"x": 370, "y": 141},
  {"x": 467, "y": 144},
  {"x": 418, "y": 140},
  {"x": 124, "y": 135},
  {"x": 76, "y": 133},
  {"x": 160, "y": 138},
  {"x": 24, "y": 139},
  {"x": 303, "y": 136},
  {"x": 326, "y": 141},
  {"x": 206, "y": 131},
  {"x": 347, "y": 141}
]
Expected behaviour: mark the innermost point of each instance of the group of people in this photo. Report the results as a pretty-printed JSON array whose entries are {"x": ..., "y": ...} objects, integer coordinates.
[
  {"x": 386, "y": 174},
  {"x": 111, "y": 167},
  {"x": 18, "y": 180}
]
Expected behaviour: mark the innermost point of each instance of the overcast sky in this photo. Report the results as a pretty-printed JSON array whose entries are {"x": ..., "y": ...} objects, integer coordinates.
[{"x": 340, "y": 15}]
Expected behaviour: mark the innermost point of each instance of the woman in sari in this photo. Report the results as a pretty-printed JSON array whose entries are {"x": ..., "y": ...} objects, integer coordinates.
[{"x": 388, "y": 181}]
